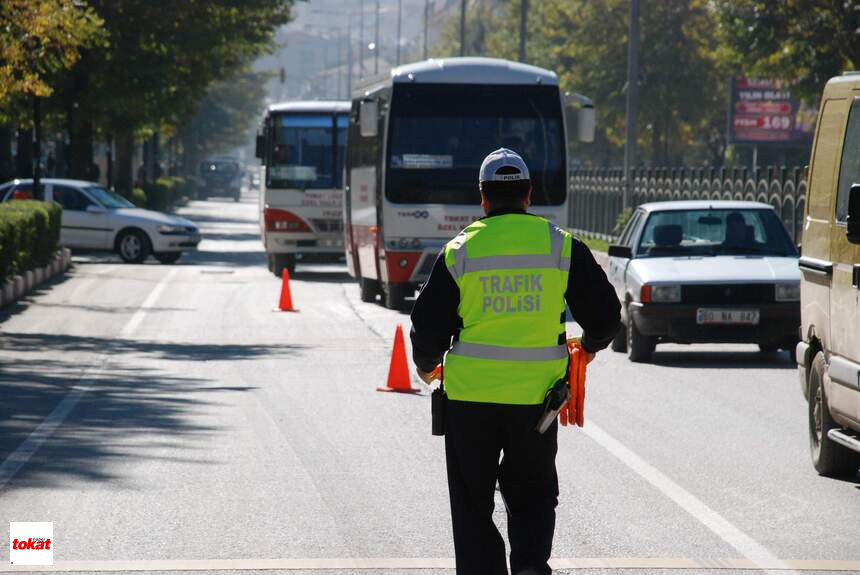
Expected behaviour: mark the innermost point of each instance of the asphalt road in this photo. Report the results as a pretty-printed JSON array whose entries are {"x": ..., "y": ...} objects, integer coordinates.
[{"x": 164, "y": 416}]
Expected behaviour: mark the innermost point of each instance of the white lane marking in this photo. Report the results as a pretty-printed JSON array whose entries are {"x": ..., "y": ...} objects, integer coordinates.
[
  {"x": 18, "y": 458},
  {"x": 138, "y": 316},
  {"x": 632, "y": 563},
  {"x": 719, "y": 525}
]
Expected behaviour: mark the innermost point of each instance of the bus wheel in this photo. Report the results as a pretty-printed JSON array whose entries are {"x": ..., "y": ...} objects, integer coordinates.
[
  {"x": 283, "y": 261},
  {"x": 395, "y": 296},
  {"x": 369, "y": 289}
]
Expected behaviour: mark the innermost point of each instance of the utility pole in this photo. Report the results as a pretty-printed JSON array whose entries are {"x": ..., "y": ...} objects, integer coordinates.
[
  {"x": 632, "y": 103},
  {"x": 361, "y": 40},
  {"x": 339, "y": 63},
  {"x": 462, "y": 27},
  {"x": 399, "y": 11},
  {"x": 524, "y": 11},
  {"x": 426, "y": 18},
  {"x": 349, "y": 59},
  {"x": 376, "y": 41}
]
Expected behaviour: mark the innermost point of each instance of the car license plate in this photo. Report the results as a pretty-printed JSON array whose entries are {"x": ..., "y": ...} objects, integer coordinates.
[{"x": 710, "y": 316}]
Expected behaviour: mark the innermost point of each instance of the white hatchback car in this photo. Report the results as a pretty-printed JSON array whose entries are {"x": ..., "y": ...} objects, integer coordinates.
[
  {"x": 705, "y": 271},
  {"x": 95, "y": 218}
]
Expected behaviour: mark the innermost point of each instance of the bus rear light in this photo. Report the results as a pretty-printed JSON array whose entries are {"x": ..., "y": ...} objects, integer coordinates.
[
  {"x": 283, "y": 221},
  {"x": 401, "y": 265}
]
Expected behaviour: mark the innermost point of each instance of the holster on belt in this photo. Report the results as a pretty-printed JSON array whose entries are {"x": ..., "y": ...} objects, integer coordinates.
[{"x": 557, "y": 396}]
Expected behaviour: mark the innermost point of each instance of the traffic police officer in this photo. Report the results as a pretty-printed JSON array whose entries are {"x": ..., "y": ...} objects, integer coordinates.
[{"x": 495, "y": 302}]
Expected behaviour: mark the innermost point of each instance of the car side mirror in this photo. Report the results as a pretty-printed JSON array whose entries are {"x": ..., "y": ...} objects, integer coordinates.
[
  {"x": 260, "y": 146},
  {"x": 96, "y": 209},
  {"x": 619, "y": 251},
  {"x": 368, "y": 114},
  {"x": 853, "y": 221}
]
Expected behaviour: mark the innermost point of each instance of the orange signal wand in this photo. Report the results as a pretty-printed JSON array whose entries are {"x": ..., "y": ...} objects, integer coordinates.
[{"x": 574, "y": 412}]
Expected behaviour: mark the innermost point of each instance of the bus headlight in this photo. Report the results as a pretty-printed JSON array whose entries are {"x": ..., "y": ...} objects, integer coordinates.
[{"x": 787, "y": 292}]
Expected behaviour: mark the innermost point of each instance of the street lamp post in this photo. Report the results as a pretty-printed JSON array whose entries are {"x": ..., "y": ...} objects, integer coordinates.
[
  {"x": 524, "y": 10},
  {"x": 376, "y": 41},
  {"x": 632, "y": 103},
  {"x": 399, "y": 11},
  {"x": 462, "y": 27},
  {"x": 361, "y": 40},
  {"x": 426, "y": 18}
]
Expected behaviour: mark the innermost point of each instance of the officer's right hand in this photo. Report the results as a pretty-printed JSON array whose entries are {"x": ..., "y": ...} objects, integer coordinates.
[{"x": 427, "y": 376}]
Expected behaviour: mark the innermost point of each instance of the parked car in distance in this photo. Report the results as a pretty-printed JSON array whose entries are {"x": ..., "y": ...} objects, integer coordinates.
[
  {"x": 221, "y": 177},
  {"x": 828, "y": 355},
  {"x": 95, "y": 218},
  {"x": 705, "y": 271}
]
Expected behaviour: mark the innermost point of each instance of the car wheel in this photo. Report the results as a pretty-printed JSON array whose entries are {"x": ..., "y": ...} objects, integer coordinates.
[
  {"x": 395, "y": 296},
  {"x": 640, "y": 347},
  {"x": 133, "y": 246},
  {"x": 283, "y": 261},
  {"x": 828, "y": 457},
  {"x": 168, "y": 257},
  {"x": 369, "y": 289},
  {"x": 236, "y": 197},
  {"x": 619, "y": 342}
]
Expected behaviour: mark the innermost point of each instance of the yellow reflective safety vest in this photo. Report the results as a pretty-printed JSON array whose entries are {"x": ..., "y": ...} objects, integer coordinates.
[{"x": 512, "y": 273}]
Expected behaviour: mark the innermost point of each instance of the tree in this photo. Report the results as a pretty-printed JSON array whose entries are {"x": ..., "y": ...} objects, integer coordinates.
[
  {"x": 805, "y": 42},
  {"x": 224, "y": 117},
  {"x": 159, "y": 59},
  {"x": 39, "y": 39},
  {"x": 682, "y": 85}
]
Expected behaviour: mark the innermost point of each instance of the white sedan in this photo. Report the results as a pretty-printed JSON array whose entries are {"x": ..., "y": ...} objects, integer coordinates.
[
  {"x": 95, "y": 218},
  {"x": 705, "y": 271}
]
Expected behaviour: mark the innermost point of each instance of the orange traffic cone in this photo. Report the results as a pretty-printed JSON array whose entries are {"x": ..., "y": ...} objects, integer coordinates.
[
  {"x": 286, "y": 303},
  {"x": 398, "y": 369}
]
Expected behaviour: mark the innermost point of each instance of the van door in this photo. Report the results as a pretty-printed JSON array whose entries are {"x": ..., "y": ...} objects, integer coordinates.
[
  {"x": 815, "y": 262},
  {"x": 844, "y": 293}
]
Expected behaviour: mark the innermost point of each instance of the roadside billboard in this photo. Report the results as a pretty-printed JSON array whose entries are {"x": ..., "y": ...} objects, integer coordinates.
[{"x": 764, "y": 112}]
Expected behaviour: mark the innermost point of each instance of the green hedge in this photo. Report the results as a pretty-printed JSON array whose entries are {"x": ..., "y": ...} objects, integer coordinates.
[
  {"x": 29, "y": 235},
  {"x": 166, "y": 192}
]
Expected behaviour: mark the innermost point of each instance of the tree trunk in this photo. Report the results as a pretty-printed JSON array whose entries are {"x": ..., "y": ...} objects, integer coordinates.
[
  {"x": 24, "y": 159},
  {"x": 124, "y": 157},
  {"x": 7, "y": 168},
  {"x": 79, "y": 124}
]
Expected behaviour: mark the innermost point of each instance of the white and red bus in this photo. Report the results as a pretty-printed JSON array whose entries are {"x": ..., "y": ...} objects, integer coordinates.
[
  {"x": 416, "y": 140},
  {"x": 302, "y": 148}
]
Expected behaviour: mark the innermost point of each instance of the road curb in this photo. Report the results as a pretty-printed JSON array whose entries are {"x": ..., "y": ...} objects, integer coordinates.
[{"x": 20, "y": 285}]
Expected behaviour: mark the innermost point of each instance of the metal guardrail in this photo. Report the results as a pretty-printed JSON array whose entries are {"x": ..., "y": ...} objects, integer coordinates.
[{"x": 596, "y": 194}]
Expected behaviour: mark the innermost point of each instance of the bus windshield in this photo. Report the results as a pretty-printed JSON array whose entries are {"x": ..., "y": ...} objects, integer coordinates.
[
  {"x": 440, "y": 133},
  {"x": 306, "y": 151}
]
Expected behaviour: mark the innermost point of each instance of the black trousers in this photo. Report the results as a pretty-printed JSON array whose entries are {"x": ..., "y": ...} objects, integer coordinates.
[{"x": 475, "y": 435}]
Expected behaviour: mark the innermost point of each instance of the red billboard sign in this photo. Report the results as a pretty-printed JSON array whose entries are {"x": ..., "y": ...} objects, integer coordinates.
[{"x": 763, "y": 111}]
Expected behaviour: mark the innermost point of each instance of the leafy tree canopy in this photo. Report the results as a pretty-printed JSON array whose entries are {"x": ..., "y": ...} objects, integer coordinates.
[
  {"x": 805, "y": 41},
  {"x": 39, "y": 39}
]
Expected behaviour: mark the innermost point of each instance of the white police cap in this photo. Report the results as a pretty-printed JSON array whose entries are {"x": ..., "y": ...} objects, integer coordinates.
[{"x": 503, "y": 158}]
